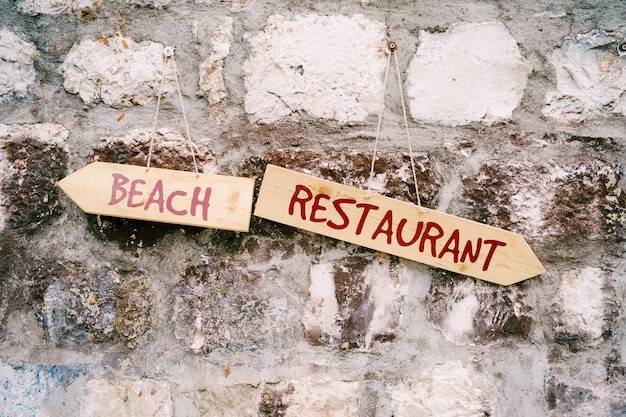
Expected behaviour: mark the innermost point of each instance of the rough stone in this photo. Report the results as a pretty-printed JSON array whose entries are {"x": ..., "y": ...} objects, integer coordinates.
[
  {"x": 91, "y": 306},
  {"x": 290, "y": 71},
  {"x": 229, "y": 401},
  {"x": 56, "y": 7},
  {"x": 392, "y": 175},
  {"x": 140, "y": 398},
  {"x": 212, "y": 68},
  {"x": 170, "y": 150},
  {"x": 590, "y": 78},
  {"x": 571, "y": 401},
  {"x": 30, "y": 390},
  {"x": 217, "y": 304},
  {"x": 17, "y": 65},
  {"x": 13, "y": 265},
  {"x": 273, "y": 402},
  {"x": 315, "y": 398},
  {"x": 446, "y": 389},
  {"x": 480, "y": 61},
  {"x": 353, "y": 302},
  {"x": 231, "y": 326},
  {"x": 117, "y": 71},
  {"x": 470, "y": 312},
  {"x": 586, "y": 308},
  {"x": 543, "y": 201},
  {"x": 33, "y": 159},
  {"x": 157, "y": 4}
]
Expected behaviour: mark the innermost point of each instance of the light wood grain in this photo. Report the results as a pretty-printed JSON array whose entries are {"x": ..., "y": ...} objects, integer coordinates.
[
  {"x": 162, "y": 195},
  {"x": 347, "y": 214}
]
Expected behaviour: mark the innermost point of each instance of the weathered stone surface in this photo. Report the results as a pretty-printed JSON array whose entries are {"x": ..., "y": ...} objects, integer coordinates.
[
  {"x": 306, "y": 397},
  {"x": 274, "y": 401},
  {"x": 217, "y": 304},
  {"x": 353, "y": 302},
  {"x": 254, "y": 93},
  {"x": 311, "y": 398},
  {"x": 212, "y": 68},
  {"x": 615, "y": 368},
  {"x": 549, "y": 201},
  {"x": 17, "y": 65},
  {"x": 446, "y": 389},
  {"x": 392, "y": 172},
  {"x": 55, "y": 7},
  {"x": 13, "y": 265},
  {"x": 33, "y": 158},
  {"x": 471, "y": 72},
  {"x": 116, "y": 71},
  {"x": 590, "y": 78},
  {"x": 79, "y": 305},
  {"x": 290, "y": 71},
  {"x": 157, "y": 4},
  {"x": 170, "y": 151},
  {"x": 124, "y": 398},
  {"x": 229, "y": 401},
  {"x": 470, "y": 312},
  {"x": 30, "y": 390},
  {"x": 586, "y": 308},
  {"x": 571, "y": 401}
]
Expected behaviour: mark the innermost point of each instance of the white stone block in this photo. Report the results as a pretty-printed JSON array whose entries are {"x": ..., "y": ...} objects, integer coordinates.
[
  {"x": 329, "y": 67},
  {"x": 582, "y": 304},
  {"x": 50, "y": 133},
  {"x": 31, "y": 390},
  {"x": 127, "y": 398},
  {"x": 212, "y": 68},
  {"x": 55, "y": 7},
  {"x": 445, "y": 390},
  {"x": 383, "y": 294},
  {"x": 117, "y": 71},
  {"x": 590, "y": 77},
  {"x": 323, "y": 399},
  {"x": 17, "y": 69},
  {"x": 472, "y": 72},
  {"x": 230, "y": 401},
  {"x": 311, "y": 398}
]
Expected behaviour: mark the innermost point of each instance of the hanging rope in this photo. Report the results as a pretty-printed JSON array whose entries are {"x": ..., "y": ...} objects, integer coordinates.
[
  {"x": 392, "y": 46},
  {"x": 168, "y": 52}
]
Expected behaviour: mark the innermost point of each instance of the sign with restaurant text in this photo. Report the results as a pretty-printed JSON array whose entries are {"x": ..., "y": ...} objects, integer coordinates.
[
  {"x": 162, "y": 195},
  {"x": 395, "y": 227}
]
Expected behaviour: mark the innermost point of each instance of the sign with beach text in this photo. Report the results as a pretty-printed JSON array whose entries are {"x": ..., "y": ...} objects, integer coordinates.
[
  {"x": 395, "y": 227},
  {"x": 162, "y": 195}
]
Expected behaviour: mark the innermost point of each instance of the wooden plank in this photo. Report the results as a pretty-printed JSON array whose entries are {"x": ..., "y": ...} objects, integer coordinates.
[
  {"x": 162, "y": 195},
  {"x": 395, "y": 227}
]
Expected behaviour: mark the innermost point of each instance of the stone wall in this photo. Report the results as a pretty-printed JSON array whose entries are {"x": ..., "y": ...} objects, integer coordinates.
[{"x": 516, "y": 112}]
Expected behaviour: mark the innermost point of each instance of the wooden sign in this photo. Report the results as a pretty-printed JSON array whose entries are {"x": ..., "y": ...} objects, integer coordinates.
[
  {"x": 395, "y": 227},
  {"x": 162, "y": 195}
]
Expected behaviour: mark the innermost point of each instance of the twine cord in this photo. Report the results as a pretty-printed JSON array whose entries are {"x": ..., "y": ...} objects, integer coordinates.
[
  {"x": 156, "y": 114},
  {"x": 190, "y": 144},
  {"x": 380, "y": 115},
  {"x": 392, "y": 48}
]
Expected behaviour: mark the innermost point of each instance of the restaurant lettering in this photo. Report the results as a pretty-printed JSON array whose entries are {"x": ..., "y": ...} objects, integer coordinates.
[{"x": 423, "y": 236}]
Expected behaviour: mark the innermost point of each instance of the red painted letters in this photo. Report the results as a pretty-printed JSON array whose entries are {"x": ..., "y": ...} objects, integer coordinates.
[
  {"x": 426, "y": 237},
  {"x": 175, "y": 202}
]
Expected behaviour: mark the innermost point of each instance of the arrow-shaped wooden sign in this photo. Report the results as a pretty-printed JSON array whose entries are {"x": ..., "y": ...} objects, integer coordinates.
[
  {"x": 395, "y": 227},
  {"x": 162, "y": 195}
]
